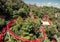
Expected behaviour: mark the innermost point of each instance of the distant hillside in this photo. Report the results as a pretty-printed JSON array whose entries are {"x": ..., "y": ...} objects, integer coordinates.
[
  {"x": 13, "y": 8},
  {"x": 40, "y": 11}
]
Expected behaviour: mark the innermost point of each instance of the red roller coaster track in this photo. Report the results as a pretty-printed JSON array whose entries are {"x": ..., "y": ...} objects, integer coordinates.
[
  {"x": 2, "y": 33},
  {"x": 9, "y": 24},
  {"x": 20, "y": 38}
]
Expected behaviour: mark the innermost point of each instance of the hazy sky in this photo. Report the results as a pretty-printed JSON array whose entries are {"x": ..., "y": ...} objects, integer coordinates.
[{"x": 55, "y": 3}]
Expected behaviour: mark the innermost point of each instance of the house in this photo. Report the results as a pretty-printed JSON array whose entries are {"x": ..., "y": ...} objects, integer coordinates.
[
  {"x": 46, "y": 20},
  {"x": 57, "y": 14}
]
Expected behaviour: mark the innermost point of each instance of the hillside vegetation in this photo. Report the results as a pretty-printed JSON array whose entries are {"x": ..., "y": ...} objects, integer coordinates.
[{"x": 10, "y": 9}]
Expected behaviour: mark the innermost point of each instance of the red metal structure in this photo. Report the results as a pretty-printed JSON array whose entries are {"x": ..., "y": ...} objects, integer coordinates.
[
  {"x": 9, "y": 24},
  {"x": 3, "y": 30},
  {"x": 2, "y": 34}
]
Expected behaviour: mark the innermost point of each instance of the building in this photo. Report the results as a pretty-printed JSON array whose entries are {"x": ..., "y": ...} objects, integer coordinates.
[{"x": 46, "y": 20}]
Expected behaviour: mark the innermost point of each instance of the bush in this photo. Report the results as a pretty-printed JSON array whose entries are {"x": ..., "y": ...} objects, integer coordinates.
[{"x": 2, "y": 22}]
